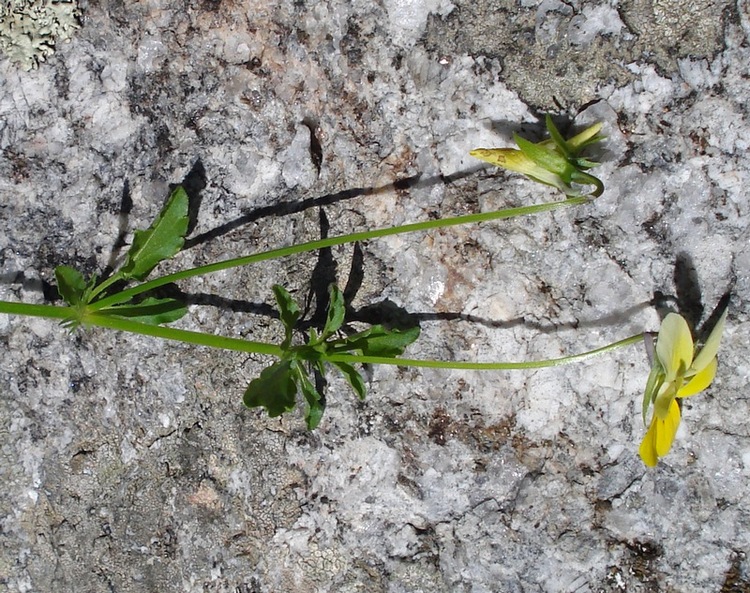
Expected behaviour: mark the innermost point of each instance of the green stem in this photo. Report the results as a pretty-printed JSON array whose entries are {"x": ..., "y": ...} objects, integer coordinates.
[
  {"x": 48, "y": 311},
  {"x": 100, "y": 288},
  {"x": 183, "y": 335},
  {"x": 242, "y": 345},
  {"x": 484, "y": 366},
  {"x": 129, "y": 293}
]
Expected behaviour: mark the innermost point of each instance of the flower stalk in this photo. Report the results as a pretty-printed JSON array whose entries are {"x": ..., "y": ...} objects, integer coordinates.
[{"x": 242, "y": 345}]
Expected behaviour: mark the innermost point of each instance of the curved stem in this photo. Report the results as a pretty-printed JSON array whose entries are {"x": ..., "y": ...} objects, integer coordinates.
[
  {"x": 129, "y": 293},
  {"x": 242, "y": 345},
  {"x": 484, "y": 366}
]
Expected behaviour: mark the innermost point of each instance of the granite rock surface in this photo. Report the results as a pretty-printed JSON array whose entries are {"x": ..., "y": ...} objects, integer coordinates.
[{"x": 130, "y": 465}]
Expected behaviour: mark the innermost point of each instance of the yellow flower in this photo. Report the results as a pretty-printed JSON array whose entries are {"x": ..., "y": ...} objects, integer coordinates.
[
  {"x": 678, "y": 370},
  {"x": 554, "y": 161}
]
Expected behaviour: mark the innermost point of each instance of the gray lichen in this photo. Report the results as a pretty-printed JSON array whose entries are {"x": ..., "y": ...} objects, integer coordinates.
[{"x": 29, "y": 29}]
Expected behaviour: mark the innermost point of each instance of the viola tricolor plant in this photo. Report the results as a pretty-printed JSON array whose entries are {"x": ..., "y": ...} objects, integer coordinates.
[{"x": 125, "y": 301}]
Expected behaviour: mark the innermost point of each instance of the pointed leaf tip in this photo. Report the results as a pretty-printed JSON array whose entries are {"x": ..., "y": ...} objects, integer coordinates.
[
  {"x": 162, "y": 240},
  {"x": 336, "y": 311}
]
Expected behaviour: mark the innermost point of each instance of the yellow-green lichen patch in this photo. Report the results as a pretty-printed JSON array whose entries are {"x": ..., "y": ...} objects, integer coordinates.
[{"x": 29, "y": 29}]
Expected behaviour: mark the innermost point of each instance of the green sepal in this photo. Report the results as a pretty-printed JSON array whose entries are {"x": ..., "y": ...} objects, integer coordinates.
[
  {"x": 151, "y": 310},
  {"x": 71, "y": 285},
  {"x": 557, "y": 137},
  {"x": 289, "y": 312},
  {"x": 336, "y": 312},
  {"x": 586, "y": 139},
  {"x": 379, "y": 341},
  {"x": 583, "y": 163},
  {"x": 275, "y": 389},
  {"x": 162, "y": 240},
  {"x": 352, "y": 377},
  {"x": 548, "y": 159},
  {"x": 653, "y": 384}
]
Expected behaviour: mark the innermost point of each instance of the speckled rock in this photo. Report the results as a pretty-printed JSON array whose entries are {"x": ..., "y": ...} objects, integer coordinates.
[{"x": 130, "y": 465}]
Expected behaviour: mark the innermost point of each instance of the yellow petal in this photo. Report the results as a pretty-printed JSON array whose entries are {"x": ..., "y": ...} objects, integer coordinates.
[
  {"x": 674, "y": 346},
  {"x": 647, "y": 450},
  {"x": 700, "y": 381},
  {"x": 666, "y": 429},
  {"x": 515, "y": 160},
  {"x": 711, "y": 347},
  {"x": 508, "y": 158}
]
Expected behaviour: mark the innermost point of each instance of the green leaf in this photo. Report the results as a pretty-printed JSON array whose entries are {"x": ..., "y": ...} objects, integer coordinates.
[
  {"x": 163, "y": 239},
  {"x": 379, "y": 341},
  {"x": 70, "y": 284},
  {"x": 288, "y": 312},
  {"x": 336, "y": 312},
  {"x": 315, "y": 404},
  {"x": 352, "y": 376},
  {"x": 275, "y": 389},
  {"x": 314, "y": 414},
  {"x": 152, "y": 311}
]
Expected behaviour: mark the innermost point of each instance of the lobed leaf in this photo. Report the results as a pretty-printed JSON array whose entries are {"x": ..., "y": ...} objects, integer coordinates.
[
  {"x": 275, "y": 389},
  {"x": 162, "y": 240}
]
